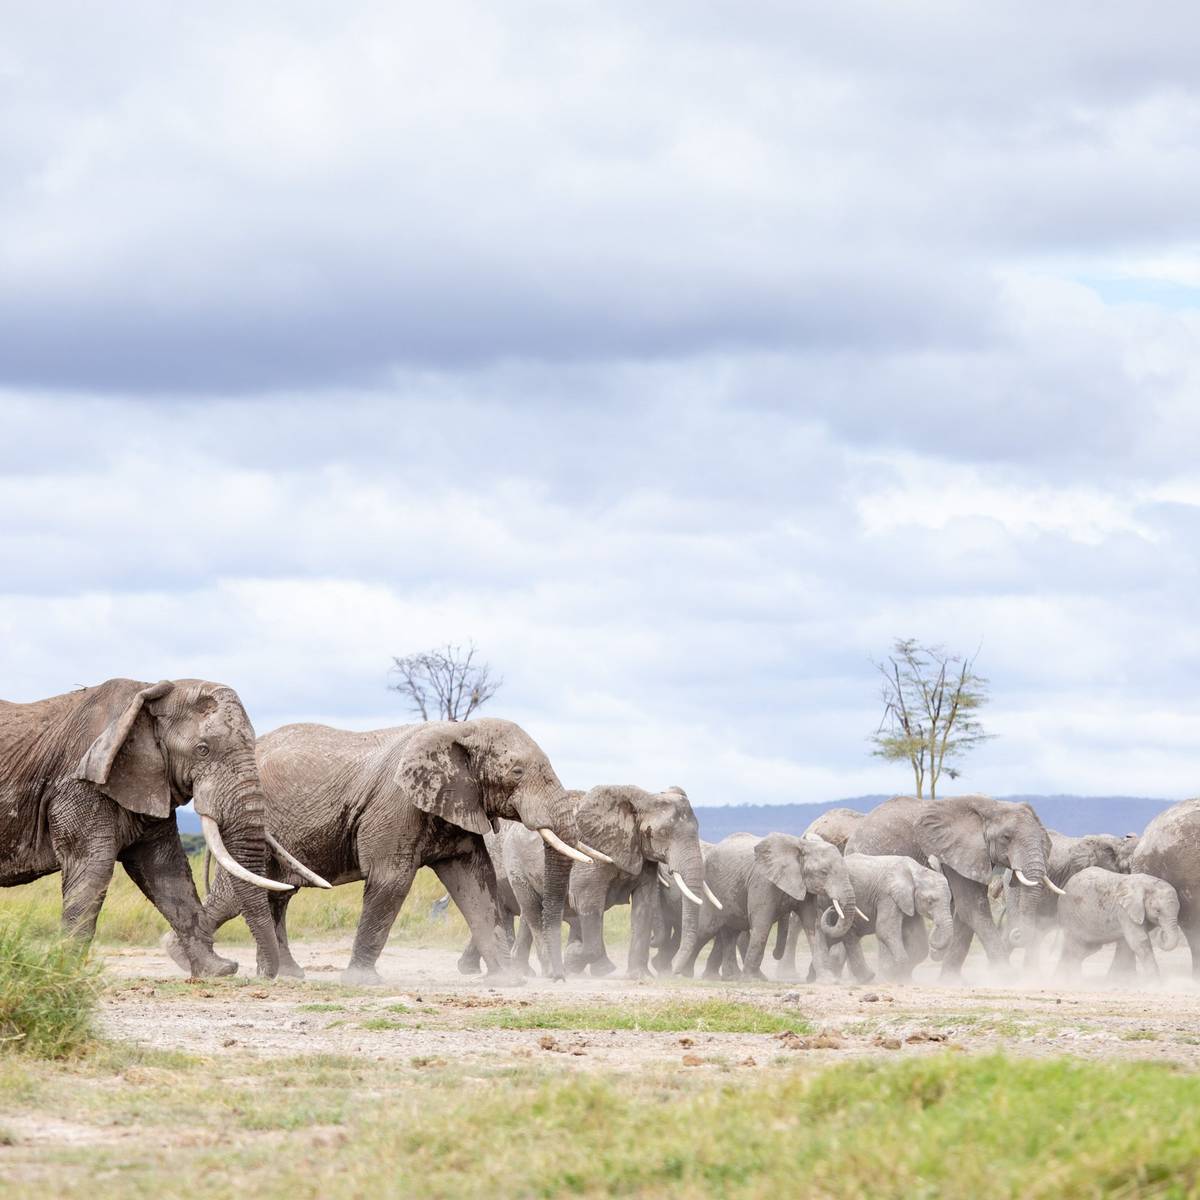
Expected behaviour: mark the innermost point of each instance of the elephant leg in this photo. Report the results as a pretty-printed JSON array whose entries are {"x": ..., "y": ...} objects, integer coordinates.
[
  {"x": 85, "y": 880},
  {"x": 522, "y": 946},
  {"x": 288, "y": 966},
  {"x": 641, "y": 924},
  {"x": 856, "y": 960},
  {"x": 709, "y": 929},
  {"x": 1190, "y": 924},
  {"x": 160, "y": 869},
  {"x": 806, "y": 918},
  {"x": 916, "y": 942},
  {"x": 787, "y": 963},
  {"x": 714, "y": 965},
  {"x": 760, "y": 930},
  {"x": 466, "y": 879},
  {"x": 469, "y": 961},
  {"x": 220, "y": 906},
  {"x": 889, "y": 934},
  {"x": 530, "y": 904},
  {"x": 386, "y": 889},
  {"x": 733, "y": 953},
  {"x": 1070, "y": 957},
  {"x": 972, "y": 917}
]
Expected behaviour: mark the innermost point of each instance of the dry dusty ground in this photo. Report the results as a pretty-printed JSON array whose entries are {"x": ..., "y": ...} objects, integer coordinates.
[{"x": 427, "y": 1011}]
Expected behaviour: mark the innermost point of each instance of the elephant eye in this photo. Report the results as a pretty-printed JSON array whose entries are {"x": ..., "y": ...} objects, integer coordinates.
[
  {"x": 517, "y": 771},
  {"x": 202, "y": 750}
]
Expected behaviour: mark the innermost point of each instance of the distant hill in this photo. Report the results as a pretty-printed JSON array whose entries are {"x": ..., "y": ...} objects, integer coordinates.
[
  {"x": 1072, "y": 815},
  {"x": 1068, "y": 814}
]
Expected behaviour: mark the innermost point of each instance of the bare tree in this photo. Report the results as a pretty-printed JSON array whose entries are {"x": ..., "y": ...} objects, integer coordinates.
[
  {"x": 445, "y": 684},
  {"x": 930, "y": 699}
]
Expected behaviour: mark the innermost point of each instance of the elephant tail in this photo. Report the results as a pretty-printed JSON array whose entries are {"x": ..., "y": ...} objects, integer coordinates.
[{"x": 781, "y": 934}]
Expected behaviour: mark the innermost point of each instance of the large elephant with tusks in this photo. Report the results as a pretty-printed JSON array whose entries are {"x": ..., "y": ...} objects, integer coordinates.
[
  {"x": 969, "y": 838},
  {"x": 93, "y": 777},
  {"x": 379, "y": 806}
]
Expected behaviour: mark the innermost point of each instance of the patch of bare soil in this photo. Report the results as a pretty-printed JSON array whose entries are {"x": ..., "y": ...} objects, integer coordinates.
[{"x": 427, "y": 1012}]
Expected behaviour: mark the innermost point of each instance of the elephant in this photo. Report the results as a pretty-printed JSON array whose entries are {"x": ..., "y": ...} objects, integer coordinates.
[
  {"x": 893, "y": 896},
  {"x": 378, "y": 806},
  {"x": 1099, "y": 907},
  {"x": 642, "y": 833},
  {"x": 970, "y": 837},
  {"x": 1170, "y": 849},
  {"x": 836, "y": 826},
  {"x": 93, "y": 777},
  {"x": 760, "y": 881},
  {"x": 1068, "y": 856}
]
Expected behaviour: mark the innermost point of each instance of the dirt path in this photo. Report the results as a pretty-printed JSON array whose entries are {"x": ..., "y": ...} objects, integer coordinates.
[{"x": 428, "y": 1013}]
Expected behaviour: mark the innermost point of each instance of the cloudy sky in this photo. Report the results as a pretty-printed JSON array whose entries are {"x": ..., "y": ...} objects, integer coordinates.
[{"x": 682, "y": 356}]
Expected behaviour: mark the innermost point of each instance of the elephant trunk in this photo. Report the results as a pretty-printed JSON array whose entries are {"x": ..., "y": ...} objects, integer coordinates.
[
  {"x": 940, "y": 913},
  {"x": 557, "y": 871},
  {"x": 1030, "y": 861},
  {"x": 841, "y": 896},
  {"x": 685, "y": 861},
  {"x": 232, "y": 814},
  {"x": 1166, "y": 936}
]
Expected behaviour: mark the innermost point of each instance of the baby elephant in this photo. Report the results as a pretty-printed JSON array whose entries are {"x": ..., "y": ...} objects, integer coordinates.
[
  {"x": 894, "y": 894},
  {"x": 1100, "y": 906}
]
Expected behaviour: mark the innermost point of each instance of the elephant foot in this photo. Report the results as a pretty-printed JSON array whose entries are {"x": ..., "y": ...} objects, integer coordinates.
[
  {"x": 206, "y": 963},
  {"x": 755, "y": 974},
  {"x": 291, "y": 970},
  {"x": 714, "y": 975},
  {"x": 359, "y": 976},
  {"x": 469, "y": 966},
  {"x": 661, "y": 965},
  {"x": 602, "y": 967},
  {"x": 685, "y": 970},
  {"x": 636, "y": 973}
]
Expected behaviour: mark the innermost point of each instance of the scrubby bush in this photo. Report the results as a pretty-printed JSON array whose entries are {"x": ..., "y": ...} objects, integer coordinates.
[{"x": 48, "y": 992}]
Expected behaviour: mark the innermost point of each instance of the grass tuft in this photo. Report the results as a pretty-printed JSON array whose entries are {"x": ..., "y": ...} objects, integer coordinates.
[
  {"x": 48, "y": 993},
  {"x": 672, "y": 1016}
]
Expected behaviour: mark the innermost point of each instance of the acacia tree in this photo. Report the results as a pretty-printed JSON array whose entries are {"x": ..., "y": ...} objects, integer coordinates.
[
  {"x": 930, "y": 702},
  {"x": 445, "y": 684}
]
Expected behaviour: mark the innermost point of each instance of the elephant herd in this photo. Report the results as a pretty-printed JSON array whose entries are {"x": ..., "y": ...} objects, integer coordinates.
[{"x": 92, "y": 778}]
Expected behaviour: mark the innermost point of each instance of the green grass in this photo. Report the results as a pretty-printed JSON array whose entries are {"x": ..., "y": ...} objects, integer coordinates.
[
  {"x": 334, "y": 1127},
  {"x": 129, "y": 919},
  {"x": 672, "y": 1016},
  {"x": 48, "y": 993}
]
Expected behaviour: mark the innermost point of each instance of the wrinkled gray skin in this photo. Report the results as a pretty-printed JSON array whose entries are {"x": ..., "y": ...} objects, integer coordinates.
[
  {"x": 836, "y": 826},
  {"x": 759, "y": 881},
  {"x": 378, "y": 806},
  {"x": 1170, "y": 850},
  {"x": 1068, "y": 856},
  {"x": 470, "y": 961},
  {"x": 1101, "y": 907},
  {"x": 640, "y": 831},
  {"x": 668, "y": 922},
  {"x": 971, "y": 837},
  {"x": 897, "y": 894},
  {"x": 92, "y": 778}
]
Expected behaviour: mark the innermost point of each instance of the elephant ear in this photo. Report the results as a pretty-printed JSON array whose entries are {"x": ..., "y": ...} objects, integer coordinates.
[
  {"x": 1132, "y": 902},
  {"x": 435, "y": 773},
  {"x": 125, "y": 761},
  {"x": 608, "y": 820},
  {"x": 954, "y": 833},
  {"x": 900, "y": 887},
  {"x": 779, "y": 857}
]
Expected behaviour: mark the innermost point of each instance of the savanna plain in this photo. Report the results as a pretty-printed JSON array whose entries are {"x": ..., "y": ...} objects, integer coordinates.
[{"x": 438, "y": 1085}]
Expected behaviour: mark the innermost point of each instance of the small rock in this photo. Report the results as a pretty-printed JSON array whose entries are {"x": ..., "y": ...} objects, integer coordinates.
[
  {"x": 924, "y": 1035},
  {"x": 747, "y": 1062},
  {"x": 871, "y": 998},
  {"x": 685, "y": 1042},
  {"x": 887, "y": 1043},
  {"x": 548, "y": 1042},
  {"x": 790, "y": 997},
  {"x": 229, "y": 1042},
  {"x": 692, "y": 1060}
]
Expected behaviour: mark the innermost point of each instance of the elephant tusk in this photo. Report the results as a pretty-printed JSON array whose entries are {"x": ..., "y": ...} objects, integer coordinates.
[
  {"x": 862, "y": 914},
  {"x": 296, "y": 865},
  {"x": 586, "y": 849},
  {"x": 683, "y": 887},
  {"x": 1023, "y": 878},
  {"x": 1053, "y": 886},
  {"x": 664, "y": 878},
  {"x": 838, "y": 909},
  {"x": 212, "y": 838},
  {"x": 556, "y": 843},
  {"x": 712, "y": 898}
]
